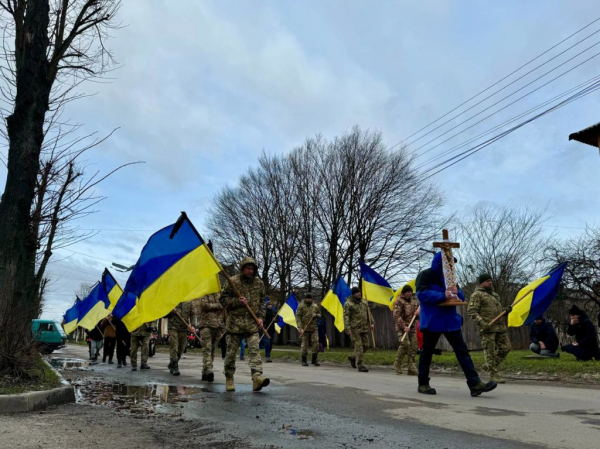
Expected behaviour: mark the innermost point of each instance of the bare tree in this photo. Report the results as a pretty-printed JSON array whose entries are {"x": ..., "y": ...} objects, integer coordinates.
[
  {"x": 50, "y": 48},
  {"x": 507, "y": 242}
]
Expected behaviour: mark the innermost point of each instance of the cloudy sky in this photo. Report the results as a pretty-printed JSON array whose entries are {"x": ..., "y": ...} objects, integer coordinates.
[{"x": 206, "y": 86}]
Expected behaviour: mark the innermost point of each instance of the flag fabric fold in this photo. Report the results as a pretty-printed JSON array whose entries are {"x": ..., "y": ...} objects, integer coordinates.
[
  {"x": 287, "y": 314},
  {"x": 71, "y": 317},
  {"x": 411, "y": 284},
  {"x": 334, "y": 302},
  {"x": 174, "y": 266},
  {"x": 94, "y": 307},
  {"x": 374, "y": 287},
  {"x": 537, "y": 297},
  {"x": 112, "y": 288}
]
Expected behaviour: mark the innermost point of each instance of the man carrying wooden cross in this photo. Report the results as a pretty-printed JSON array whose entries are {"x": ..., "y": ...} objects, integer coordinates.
[{"x": 439, "y": 295}]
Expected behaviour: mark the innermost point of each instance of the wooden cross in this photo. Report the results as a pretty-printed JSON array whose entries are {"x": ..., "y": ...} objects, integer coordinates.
[{"x": 448, "y": 267}]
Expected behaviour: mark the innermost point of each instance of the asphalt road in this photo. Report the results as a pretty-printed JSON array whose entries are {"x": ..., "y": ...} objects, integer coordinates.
[{"x": 336, "y": 406}]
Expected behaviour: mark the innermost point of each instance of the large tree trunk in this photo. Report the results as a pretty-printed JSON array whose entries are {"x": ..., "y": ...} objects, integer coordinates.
[{"x": 25, "y": 131}]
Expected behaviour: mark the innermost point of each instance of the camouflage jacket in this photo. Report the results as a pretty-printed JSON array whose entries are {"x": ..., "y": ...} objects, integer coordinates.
[
  {"x": 356, "y": 318},
  {"x": 304, "y": 313},
  {"x": 144, "y": 330},
  {"x": 403, "y": 314},
  {"x": 211, "y": 312},
  {"x": 239, "y": 321},
  {"x": 485, "y": 306},
  {"x": 186, "y": 310}
]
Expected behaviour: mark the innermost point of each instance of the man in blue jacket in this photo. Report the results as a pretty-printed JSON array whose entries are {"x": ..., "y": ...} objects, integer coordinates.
[{"x": 437, "y": 320}]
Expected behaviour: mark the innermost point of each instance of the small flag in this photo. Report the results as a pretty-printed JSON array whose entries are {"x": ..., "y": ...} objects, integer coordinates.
[
  {"x": 175, "y": 266},
  {"x": 94, "y": 307},
  {"x": 374, "y": 287},
  {"x": 287, "y": 314},
  {"x": 112, "y": 288},
  {"x": 411, "y": 284},
  {"x": 536, "y": 297},
  {"x": 334, "y": 302},
  {"x": 71, "y": 317}
]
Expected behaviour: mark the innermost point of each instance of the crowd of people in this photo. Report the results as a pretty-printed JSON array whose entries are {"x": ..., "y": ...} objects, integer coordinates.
[{"x": 242, "y": 318}]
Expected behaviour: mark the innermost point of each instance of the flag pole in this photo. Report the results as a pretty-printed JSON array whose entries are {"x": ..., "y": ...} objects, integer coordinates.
[
  {"x": 371, "y": 325},
  {"x": 410, "y": 324},
  {"x": 513, "y": 304},
  {"x": 189, "y": 326}
]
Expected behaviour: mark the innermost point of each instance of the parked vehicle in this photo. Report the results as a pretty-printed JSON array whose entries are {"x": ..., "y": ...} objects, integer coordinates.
[{"x": 49, "y": 335}]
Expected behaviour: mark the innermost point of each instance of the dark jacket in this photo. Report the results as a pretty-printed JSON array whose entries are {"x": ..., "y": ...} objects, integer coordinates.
[
  {"x": 585, "y": 335},
  {"x": 95, "y": 334},
  {"x": 431, "y": 290},
  {"x": 544, "y": 332},
  {"x": 269, "y": 315}
]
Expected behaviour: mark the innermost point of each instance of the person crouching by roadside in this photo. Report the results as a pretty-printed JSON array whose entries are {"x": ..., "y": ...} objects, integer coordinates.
[
  {"x": 585, "y": 346},
  {"x": 543, "y": 338}
]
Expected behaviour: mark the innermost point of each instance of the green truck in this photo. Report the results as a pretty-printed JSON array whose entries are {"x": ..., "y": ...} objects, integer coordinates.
[{"x": 49, "y": 335}]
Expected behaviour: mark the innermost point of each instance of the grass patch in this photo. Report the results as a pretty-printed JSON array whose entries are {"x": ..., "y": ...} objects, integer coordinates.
[
  {"x": 563, "y": 368},
  {"x": 43, "y": 378}
]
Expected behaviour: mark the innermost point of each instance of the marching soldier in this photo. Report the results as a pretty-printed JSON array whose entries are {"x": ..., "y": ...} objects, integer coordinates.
[
  {"x": 306, "y": 318},
  {"x": 241, "y": 324},
  {"x": 484, "y": 306},
  {"x": 356, "y": 323},
  {"x": 405, "y": 308},
  {"x": 212, "y": 325},
  {"x": 178, "y": 333},
  {"x": 141, "y": 337}
]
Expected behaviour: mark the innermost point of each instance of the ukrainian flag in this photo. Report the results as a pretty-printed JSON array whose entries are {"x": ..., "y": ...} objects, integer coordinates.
[
  {"x": 411, "y": 284},
  {"x": 71, "y": 317},
  {"x": 287, "y": 313},
  {"x": 175, "y": 266},
  {"x": 536, "y": 298},
  {"x": 374, "y": 287},
  {"x": 334, "y": 302},
  {"x": 94, "y": 307},
  {"x": 112, "y": 288}
]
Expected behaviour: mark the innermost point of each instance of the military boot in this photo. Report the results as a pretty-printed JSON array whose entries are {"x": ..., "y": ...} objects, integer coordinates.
[
  {"x": 144, "y": 366},
  {"x": 204, "y": 376},
  {"x": 259, "y": 382},
  {"x": 210, "y": 376},
  {"x": 229, "y": 384},
  {"x": 170, "y": 367},
  {"x": 174, "y": 369},
  {"x": 133, "y": 367},
  {"x": 352, "y": 360},
  {"x": 362, "y": 369},
  {"x": 314, "y": 360},
  {"x": 426, "y": 389},
  {"x": 483, "y": 388},
  {"x": 304, "y": 362},
  {"x": 412, "y": 370}
]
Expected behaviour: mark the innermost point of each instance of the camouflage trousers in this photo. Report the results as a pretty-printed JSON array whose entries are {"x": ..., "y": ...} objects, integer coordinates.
[
  {"x": 408, "y": 347},
  {"x": 495, "y": 348},
  {"x": 360, "y": 343},
  {"x": 177, "y": 342},
  {"x": 209, "y": 336},
  {"x": 310, "y": 339},
  {"x": 254, "y": 360},
  {"x": 136, "y": 342}
]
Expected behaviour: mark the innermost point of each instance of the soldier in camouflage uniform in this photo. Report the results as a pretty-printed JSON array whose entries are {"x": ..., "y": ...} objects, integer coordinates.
[
  {"x": 405, "y": 308},
  {"x": 178, "y": 333},
  {"x": 356, "y": 323},
  {"x": 212, "y": 325},
  {"x": 484, "y": 306},
  {"x": 240, "y": 324},
  {"x": 306, "y": 312},
  {"x": 141, "y": 337}
]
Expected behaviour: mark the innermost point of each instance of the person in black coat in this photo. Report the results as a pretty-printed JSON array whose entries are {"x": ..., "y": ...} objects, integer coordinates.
[
  {"x": 123, "y": 342},
  {"x": 543, "y": 338},
  {"x": 585, "y": 346}
]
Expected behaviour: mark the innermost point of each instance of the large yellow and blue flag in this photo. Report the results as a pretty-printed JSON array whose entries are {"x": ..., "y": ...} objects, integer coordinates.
[
  {"x": 175, "y": 266},
  {"x": 112, "y": 288},
  {"x": 287, "y": 313},
  {"x": 71, "y": 317},
  {"x": 374, "y": 287},
  {"x": 94, "y": 307},
  {"x": 411, "y": 284},
  {"x": 334, "y": 302},
  {"x": 537, "y": 297}
]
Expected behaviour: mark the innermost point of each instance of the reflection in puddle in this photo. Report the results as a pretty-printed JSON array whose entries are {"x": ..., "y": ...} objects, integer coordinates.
[
  {"x": 68, "y": 363},
  {"x": 161, "y": 392}
]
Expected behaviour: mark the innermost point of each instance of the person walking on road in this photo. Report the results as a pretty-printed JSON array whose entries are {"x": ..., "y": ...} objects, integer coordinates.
[
  {"x": 123, "y": 342},
  {"x": 212, "y": 325},
  {"x": 356, "y": 323},
  {"x": 179, "y": 320},
  {"x": 96, "y": 343},
  {"x": 270, "y": 314},
  {"x": 406, "y": 311},
  {"x": 110, "y": 339},
  {"x": 307, "y": 315},
  {"x": 141, "y": 338}
]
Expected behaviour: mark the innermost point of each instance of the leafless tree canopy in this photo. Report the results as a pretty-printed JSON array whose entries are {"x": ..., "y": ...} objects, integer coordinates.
[
  {"x": 311, "y": 215},
  {"x": 506, "y": 242}
]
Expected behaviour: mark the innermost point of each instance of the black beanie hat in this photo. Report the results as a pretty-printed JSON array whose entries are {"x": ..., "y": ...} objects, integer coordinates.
[
  {"x": 308, "y": 296},
  {"x": 355, "y": 290},
  {"x": 484, "y": 277},
  {"x": 574, "y": 310},
  {"x": 406, "y": 288}
]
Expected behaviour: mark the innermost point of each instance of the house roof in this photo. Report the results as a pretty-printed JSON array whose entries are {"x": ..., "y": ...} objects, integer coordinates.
[{"x": 588, "y": 135}]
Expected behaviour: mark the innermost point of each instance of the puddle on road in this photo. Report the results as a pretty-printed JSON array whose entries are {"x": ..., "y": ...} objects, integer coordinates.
[
  {"x": 288, "y": 429},
  {"x": 64, "y": 363},
  {"x": 160, "y": 392}
]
